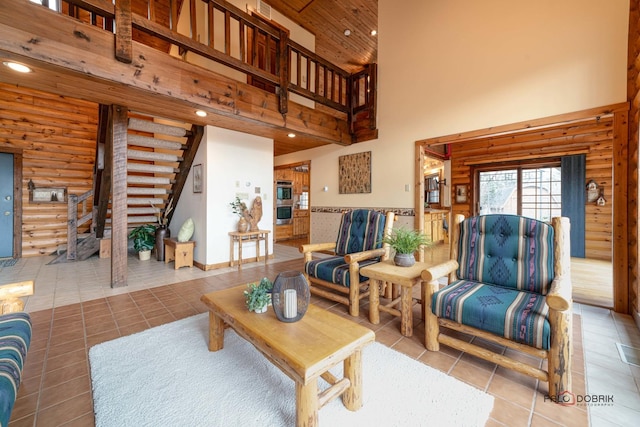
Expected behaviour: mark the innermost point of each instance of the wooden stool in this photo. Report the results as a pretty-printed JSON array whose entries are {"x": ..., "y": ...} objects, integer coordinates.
[{"x": 181, "y": 252}]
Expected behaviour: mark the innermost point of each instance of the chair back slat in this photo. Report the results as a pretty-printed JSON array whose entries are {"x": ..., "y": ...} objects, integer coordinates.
[
  {"x": 507, "y": 250},
  {"x": 360, "y": 230}
]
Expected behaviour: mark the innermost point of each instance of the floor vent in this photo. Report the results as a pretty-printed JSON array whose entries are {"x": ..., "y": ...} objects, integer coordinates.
[{"x": 628, "y": 354}]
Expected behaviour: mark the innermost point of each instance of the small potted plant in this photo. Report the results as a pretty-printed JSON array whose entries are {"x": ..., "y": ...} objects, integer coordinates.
[
  {"x": 258, "y": 296},
  {"x": 405, "y": 242},
  {"x": 144, "y": 238}
]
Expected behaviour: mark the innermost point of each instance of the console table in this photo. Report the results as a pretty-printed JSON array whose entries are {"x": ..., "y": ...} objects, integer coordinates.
[{"x": 248, "y": 236}]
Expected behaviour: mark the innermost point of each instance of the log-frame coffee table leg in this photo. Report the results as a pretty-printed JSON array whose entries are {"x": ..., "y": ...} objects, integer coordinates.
[
  {"x": 352, "y": 397},
  {"x": 216, "y": 332},
  {"x": 307, "y": 404}
]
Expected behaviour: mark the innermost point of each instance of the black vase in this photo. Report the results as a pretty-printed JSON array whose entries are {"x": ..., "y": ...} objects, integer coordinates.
[{"x": 161, "y": 232}]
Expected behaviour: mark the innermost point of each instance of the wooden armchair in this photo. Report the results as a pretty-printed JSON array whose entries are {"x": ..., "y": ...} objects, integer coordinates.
[
  {"x": 509, "y": 283},
  {"x": 359, "y": 243}
]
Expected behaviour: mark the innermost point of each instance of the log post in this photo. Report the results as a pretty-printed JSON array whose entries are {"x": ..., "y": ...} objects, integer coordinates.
[
  {"x": 559, "y": 360},
  {"x": 431, "y": 327},
  {"x": 124, "y": 32},
  {"x": 283, "y": 72},
  {"x": 118, "y": 160}
]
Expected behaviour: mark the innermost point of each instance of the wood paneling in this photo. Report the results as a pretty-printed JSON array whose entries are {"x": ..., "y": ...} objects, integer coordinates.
[
  {"x": 633, "y": 96},
  {"x": 596, "y": 141},
  {"x": 57, "y": 136}
]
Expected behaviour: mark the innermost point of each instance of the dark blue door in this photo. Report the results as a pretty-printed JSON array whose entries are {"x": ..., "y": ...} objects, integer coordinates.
[{"x": 6, "y": 205}]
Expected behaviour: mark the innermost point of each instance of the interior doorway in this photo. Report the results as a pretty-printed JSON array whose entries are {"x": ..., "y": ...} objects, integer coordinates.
[{"x": 602, "y": 277}]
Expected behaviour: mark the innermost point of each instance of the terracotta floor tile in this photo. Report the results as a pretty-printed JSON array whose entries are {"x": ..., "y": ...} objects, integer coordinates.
[
  {"x": 438, "y": 360},
  {"x": 65, "y": 360},
  {"x": 66, "y": 411},
  {"x": 59, "y": 393},
  {"x": 470, "y": 374},
  {"x": 64, "y": 374},
  {"x": 512, "y": 391},
  {"x": 509, "y": 413}
]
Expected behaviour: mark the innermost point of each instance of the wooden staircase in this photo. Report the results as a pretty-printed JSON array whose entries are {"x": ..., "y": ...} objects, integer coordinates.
[{"x": 159, "y": 153}]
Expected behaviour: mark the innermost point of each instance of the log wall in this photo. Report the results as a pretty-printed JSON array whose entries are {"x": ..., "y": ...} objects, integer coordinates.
[
  {"x": 57, "y": 136},
  {"x": 633, "y": 96},
  {"x": 593, "y": 137}
]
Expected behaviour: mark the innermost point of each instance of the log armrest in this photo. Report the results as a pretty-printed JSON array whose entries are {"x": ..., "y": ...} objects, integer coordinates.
[
  {"x": 559, "y": 296},
  {"x": 310, "y": 248},
  {"x": 10, "y": 294},
  {"x": 437, "y": 271},
  {"x": 361, "y": 256}
]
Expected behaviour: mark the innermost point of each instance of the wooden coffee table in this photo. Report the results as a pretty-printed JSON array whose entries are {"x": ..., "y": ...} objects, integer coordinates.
[{"x": 303, "y": 350}]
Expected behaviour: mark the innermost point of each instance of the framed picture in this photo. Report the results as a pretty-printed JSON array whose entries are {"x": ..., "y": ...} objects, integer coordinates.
[
  {"x": 461, "y": 193},
  {"x": 354, "y": 173},
  {"x": 197, "y": 178}
]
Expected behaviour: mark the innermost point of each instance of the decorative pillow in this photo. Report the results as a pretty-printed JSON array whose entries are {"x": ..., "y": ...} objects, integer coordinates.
[{"x": 186, "y": 231}]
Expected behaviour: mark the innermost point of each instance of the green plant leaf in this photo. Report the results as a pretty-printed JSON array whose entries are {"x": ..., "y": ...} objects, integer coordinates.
[{"x": 405, "y": 241}]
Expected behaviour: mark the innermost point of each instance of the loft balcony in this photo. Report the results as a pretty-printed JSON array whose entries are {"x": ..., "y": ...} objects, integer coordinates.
[{"x": 173, "y": 57}]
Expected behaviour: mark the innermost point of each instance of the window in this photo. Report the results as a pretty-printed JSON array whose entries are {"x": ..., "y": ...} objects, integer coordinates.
[
  {"x": 530, "y": 191},
  {"x": 51, "y": 4}
]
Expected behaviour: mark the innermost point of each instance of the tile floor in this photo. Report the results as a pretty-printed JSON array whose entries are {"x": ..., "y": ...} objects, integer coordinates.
[{"x": 74, "y": 308}]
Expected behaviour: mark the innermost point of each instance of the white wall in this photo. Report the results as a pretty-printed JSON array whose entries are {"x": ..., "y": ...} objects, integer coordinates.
[
  {"x": 230, "y": 160},
  {"x": 457, "y": 65}
]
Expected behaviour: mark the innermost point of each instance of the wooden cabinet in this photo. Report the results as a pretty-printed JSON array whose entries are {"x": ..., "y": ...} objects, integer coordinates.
[
  {"x": 300, "y": 223},
  {"x": 433, "y": 225},
  {"x": 298, "y": 178},
  {"x": 284, "y": 232},
  {"x": 283, "y": 174}
]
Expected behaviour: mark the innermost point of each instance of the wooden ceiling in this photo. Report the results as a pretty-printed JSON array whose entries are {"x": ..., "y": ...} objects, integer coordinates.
[{"x": 328, "y": 19}]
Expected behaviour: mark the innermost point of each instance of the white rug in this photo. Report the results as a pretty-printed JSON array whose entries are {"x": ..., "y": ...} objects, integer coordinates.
[{"x": 166, "y": 376}]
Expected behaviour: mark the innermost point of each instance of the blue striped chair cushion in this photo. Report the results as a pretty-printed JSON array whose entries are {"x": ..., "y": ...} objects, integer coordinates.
[
  {"x": 516, "y": 315},
  {"x": 15, "y": 337},
  {"x": 360, "y": 230},
  {"x": 507, "y": 250},
  {"x": 335, "y": 270}
]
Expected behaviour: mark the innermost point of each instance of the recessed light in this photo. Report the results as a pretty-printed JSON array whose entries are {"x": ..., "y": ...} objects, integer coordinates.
[
  {"x": 347, "y": 32},
  {"x": 16, "y": 66},
  {"x": 374, "y": 32},
  {"x": 201, "y": 113},
  {"x": 291, "y": 135}
]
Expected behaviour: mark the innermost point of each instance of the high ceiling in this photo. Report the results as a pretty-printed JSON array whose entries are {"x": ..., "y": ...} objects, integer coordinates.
[{"x": 328, "y": 20}]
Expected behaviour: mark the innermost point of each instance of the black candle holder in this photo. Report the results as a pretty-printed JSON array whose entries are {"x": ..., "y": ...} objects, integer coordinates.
[{"x": 290, "y": 296}]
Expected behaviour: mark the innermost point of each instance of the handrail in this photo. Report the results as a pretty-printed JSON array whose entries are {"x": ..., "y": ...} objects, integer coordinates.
[
  {"x": 73, "y": 222},
  {"x": 245, "y": 43}
]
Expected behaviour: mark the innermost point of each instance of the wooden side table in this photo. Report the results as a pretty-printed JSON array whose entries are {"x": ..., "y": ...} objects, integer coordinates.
[
  {"x": 248, "y": 236},
  {"x": 181, "y": 252},
  {"x": 406, "y": 278}
]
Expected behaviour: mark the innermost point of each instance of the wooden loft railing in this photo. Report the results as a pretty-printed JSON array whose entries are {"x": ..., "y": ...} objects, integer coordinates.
[{"x": 242, "y": 42}]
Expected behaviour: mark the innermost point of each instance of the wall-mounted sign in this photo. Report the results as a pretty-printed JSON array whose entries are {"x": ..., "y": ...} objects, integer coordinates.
[{"x": 48, "y": 195}]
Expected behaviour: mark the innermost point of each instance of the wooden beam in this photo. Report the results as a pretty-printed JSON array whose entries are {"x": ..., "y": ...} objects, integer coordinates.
[
  {"x": 119, "y": 197},
  {"x": 283, "y": 71},
  {"x": 620, "y": 256},
  {"x": 124, "y": 30}
]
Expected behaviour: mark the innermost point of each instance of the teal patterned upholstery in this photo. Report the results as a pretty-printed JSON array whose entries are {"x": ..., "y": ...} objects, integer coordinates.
[
  {"x": 519, "y": 316},
  {"x": 360, "y": 230},
  {"x": 506, "y": 266},
  {"x": 15, "y": 337},
  {"x": 507, "y": 250}
]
